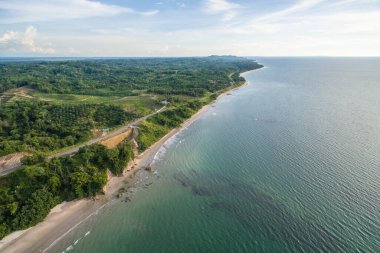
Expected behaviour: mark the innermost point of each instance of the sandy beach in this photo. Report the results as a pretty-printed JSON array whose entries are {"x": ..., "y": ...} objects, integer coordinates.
[{"x": 66, "y": 216}]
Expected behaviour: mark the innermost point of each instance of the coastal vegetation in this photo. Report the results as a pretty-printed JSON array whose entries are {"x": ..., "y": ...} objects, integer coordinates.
[
  {"x": 64, "y": 103},
  {"x": 154, "y": 128},
  {"x": 27, "y": 195}
]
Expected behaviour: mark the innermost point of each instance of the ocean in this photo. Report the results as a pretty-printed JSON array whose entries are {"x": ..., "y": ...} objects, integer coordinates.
[{"x": 288, "y": 163}]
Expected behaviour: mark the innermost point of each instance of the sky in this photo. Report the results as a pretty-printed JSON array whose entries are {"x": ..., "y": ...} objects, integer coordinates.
[{"x": 122, "y": 28}]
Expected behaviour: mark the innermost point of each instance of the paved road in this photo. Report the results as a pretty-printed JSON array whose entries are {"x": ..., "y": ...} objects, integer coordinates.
[
  {"x": 112, "y": 134},
  {"x": 10, "y": 169},
  {"x": 90, "y": 142}
]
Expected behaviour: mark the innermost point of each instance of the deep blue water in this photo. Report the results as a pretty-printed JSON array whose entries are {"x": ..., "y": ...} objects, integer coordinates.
[{"x": 288, "y": 163}]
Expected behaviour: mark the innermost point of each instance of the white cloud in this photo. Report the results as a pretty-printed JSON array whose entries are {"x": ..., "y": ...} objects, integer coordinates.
[
  {"x": 216, "y": 6},
  {"x": 268, "y": 23},
  {"x": 228, "y": 9},
  {"x": 24, "y": 42},
  {"x": 17, "y": 11},
  {"x": 360, "y": 22},
  {"x": 341, "y": 3},
  {"x": 313, "y": 27},
  {"x": 298, "y": 19},
  {"x": 149, "y": 13},
  {"x": 299, "y": 6},
  {"x": 8, "y": 36}
]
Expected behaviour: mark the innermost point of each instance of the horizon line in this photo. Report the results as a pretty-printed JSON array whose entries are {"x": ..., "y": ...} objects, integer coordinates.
[{"x": 200, "y": 56}]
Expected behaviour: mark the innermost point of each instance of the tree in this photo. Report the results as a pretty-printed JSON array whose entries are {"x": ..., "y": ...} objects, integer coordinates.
[{"x": 35, "y": 209}]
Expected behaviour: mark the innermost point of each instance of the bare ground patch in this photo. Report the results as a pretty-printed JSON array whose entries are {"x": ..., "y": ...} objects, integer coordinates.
[
  {"x": 117, "y": 139},
  {"x": 11, "y": 160}
]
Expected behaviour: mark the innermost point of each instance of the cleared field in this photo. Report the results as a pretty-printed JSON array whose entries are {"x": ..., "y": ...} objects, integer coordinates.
[
  {"x": 71, "y": 98},
  {"x": 23, "y": 92},
  {"x": 142, "y": 104}
]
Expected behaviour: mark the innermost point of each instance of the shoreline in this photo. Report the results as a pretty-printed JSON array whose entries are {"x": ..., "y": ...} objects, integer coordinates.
[{"x": 66, "y": 216}]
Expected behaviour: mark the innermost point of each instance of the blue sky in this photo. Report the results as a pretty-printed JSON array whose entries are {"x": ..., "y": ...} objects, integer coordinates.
[{"x": 189, "y": 27}]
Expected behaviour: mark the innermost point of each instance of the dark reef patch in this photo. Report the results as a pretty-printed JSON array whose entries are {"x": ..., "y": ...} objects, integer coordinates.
[{"x": 266, "y": 215}]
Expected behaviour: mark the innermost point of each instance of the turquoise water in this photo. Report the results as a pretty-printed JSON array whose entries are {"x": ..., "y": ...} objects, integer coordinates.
[{"x": 288, "y": 163}]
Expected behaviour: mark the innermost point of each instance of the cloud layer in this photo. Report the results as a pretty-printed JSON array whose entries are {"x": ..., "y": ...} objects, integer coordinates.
[
  {"x": 17, "y": 11},
  {"x": 24, "y": 42},
  {"x": 190, "y": 27}
]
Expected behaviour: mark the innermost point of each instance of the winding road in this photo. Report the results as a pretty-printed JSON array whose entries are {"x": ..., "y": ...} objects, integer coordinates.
[{"x": 90, "y": 142}]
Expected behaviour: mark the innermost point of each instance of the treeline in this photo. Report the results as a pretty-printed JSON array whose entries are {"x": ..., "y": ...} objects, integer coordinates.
[
  {"x": 40, "y": 126},
  {"x": 236, "y": 78},
  {"x": 122, "y": 77},
  {"x": 27, "y": 195},
  {"x": 154, "y": 128}
]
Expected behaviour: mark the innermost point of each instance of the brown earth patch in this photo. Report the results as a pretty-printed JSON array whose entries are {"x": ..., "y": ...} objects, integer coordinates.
[
  {"x": 117, "y": 139},
  {"x": 11, "y": 160}
]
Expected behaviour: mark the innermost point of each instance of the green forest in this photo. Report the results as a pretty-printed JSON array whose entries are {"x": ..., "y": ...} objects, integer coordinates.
[
  {"x": 40, "y": 126},
  {"x": 125, "y": 77},
  {"x": 49, "y": 105},
  {"x": 27, "y": 195}
]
